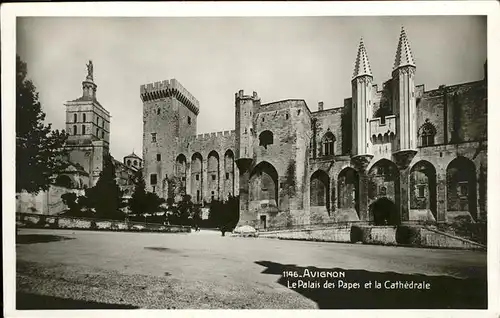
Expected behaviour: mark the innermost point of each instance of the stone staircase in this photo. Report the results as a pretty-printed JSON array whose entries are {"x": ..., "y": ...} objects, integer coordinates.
[{"x": 402, "y": 235}]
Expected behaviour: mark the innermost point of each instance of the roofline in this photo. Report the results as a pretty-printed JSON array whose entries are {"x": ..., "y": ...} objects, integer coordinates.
[{"x": 286, "y": 100}]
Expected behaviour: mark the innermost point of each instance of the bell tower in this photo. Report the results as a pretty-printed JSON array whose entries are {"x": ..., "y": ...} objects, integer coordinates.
[{"x": 88, "y": 125}]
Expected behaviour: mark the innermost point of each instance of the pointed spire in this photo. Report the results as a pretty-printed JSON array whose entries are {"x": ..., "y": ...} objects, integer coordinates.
[
  {"x": 362, "y": 65},
  {"x": 404, "y": 56}
]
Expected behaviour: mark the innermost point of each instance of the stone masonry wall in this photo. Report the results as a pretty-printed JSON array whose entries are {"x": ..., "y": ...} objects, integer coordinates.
[
  {"x": 223, "y": 145},
  {"x": 168, "y": 119},
  {"x": 276, "y": 118},
  {"x": 457, "y": 111},
  {"x": 329, "y": 120},
  {"x": 45, "y": 202}
]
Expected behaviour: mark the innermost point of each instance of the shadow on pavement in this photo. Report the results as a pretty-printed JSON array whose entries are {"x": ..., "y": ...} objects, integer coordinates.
[
  {"x": 31, "y": 301},
  {"x": 445, "y": 292},
  {"x": 162, "y": 249},
  {"x": 40, "y": 238}
]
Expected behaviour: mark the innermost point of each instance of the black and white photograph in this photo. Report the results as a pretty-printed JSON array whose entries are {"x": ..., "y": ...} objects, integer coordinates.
[{"x": 250, "y": 162}]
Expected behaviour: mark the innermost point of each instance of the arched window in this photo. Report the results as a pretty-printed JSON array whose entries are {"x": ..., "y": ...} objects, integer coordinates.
[
  {"x": 75, "y": 129},
  {"x": 83, "y": 129},
  {"x": 426, "y": 133},
  {"x": 461, "y": 190},
  {"x": 266, "y": 138},
  {"x": 386, "y": 137},
  {"x": 320, "y": 189},
  {"x": 128, "y": 162},
  {"x": 328, "y": 144},
  {"x": 84, "y": 117},
  {"x": 135, "y": 162}
]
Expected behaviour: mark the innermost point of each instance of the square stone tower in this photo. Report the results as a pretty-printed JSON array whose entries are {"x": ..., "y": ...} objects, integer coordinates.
[{"x": 169, "y": 114}]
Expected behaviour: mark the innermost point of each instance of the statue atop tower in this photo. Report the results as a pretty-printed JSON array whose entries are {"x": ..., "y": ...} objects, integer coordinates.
[
  {"x": 90, "y": 71},
  {"x": 88, "y": 86}
]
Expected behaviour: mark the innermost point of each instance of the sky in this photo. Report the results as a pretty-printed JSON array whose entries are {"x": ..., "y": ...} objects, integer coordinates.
[{"x": 310, "y": 58}]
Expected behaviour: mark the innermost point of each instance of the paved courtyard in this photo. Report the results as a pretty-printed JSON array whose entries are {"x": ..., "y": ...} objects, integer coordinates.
[{"x": 86, "y": 269}]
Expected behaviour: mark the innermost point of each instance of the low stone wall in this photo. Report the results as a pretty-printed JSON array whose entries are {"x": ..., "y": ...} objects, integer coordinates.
[
  {"x": 55, "y": 222},
  {"x": 434, "y": 238},
  {"x": 404, "y": 235},
  {"x": 329, "y": 234},
  {"x": 385, "y": 235}
]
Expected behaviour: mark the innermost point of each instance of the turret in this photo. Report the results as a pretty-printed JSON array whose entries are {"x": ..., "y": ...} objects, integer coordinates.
[
  {"x": 361, "y": 101},
  {"x": 246, "y": 107},
  {"x": 404, "y": 101},
  {"x": 88, "y": 86}
]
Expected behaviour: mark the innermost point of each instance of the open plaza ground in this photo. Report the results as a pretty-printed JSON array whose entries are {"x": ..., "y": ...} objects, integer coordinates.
[{"x": 90, "y": 269}]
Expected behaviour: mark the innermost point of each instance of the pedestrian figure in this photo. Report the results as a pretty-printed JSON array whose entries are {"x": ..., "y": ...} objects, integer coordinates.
[{"x": 196, "y": 220}]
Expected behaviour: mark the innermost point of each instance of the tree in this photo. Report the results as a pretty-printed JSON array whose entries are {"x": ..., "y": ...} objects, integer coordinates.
[
  {"x": 225, "y": 215},
  {"x": 106, "y": 197},
  {"x": 215, "y": 213},
  {"x": 143, "y": 202},
  {"x": 75, "y": 205},
  {"x": 185, "y": 209},
  {"x": 182, "y": 212},
  {"x": 232, "y": 211},
  {"x": 70, "y": 199},
  {"x": 40, "y": 150},
  {"x": 138, "y": 197}
]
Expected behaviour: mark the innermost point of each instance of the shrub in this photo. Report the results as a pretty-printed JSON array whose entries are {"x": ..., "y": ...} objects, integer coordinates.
[
  {"x": 225, "y": 215},
  {"x": 408, "y": 235},
  {"x": 356, "y": 234}
]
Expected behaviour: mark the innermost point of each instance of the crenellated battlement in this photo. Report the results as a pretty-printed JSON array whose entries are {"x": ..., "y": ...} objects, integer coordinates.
[
  {"x": 241, "y": 95},
  {"x": 379, "y": 128},
  {"x": 169, "y": 88},
  {"x": 210, "y": 136},
  {"x": 206, "y": 136}
]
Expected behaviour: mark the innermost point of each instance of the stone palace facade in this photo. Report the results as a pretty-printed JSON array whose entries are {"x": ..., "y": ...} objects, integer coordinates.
[{"x": 388, "y": 155}]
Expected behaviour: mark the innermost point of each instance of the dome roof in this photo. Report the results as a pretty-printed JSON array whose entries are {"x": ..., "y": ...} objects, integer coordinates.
[{"x": 133, "y": 155}]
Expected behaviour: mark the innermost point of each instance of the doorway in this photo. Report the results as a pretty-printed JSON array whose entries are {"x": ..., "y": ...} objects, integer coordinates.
[
  {"x": 384, "y": 212},
  {"x": 263, "y": 222}
]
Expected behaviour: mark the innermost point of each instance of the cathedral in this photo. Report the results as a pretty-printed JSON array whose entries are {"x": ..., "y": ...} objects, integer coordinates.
[
  {"x": 88, "y": 128},
  {"x": 389, "y": 155}
]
